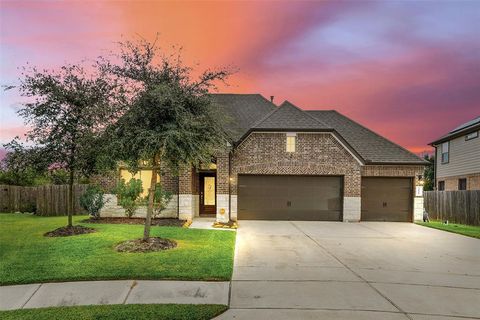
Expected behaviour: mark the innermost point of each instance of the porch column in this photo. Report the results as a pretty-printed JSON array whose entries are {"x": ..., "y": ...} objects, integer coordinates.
[
  {"x": 223, "y": 203},
  {"x": 186, "y": 198}
]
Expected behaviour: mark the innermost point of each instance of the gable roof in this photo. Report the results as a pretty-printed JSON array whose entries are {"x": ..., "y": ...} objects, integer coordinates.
[
  {"x": 244, "y": 109},
  {"x": 372, "y": 147},
  {"x": 288, "y": 116},
  {"x": 252, "y": 112},
  {"x": 465, "y": 128}
]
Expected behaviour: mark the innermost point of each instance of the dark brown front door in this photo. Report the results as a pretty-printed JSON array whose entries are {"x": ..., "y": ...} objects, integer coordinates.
[
  {"x": 387, "y": 199},
  {"x": 268, "y": 197},
  {"x": 207, "y": 193}
]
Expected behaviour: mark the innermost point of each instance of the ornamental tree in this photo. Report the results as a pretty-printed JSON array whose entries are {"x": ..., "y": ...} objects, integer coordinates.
[
  {"x": 170, "y": 118},
  {"x": 69, "y": 109}
]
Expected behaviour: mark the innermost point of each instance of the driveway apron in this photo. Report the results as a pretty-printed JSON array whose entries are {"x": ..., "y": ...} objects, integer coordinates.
[{"x": 333, "y": 270}]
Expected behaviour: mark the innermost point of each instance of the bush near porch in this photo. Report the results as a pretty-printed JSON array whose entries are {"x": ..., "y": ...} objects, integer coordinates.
[{"x": 26, "y": 256}]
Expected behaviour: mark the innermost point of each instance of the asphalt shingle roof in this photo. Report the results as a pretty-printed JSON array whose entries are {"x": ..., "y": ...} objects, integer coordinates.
[
  {"x": 289, "y": 116},
  {"x": 251, "y": 112},
  {"x": 369, "y": 145},
  {"x": 244, "y": 109},
  {"x": 464, "y": 128}
]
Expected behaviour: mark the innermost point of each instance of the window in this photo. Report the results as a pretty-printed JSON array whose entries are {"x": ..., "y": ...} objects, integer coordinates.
[
  {"x": 462, "y": 184},
  {"x": 445, "y": 152},
  {"x": 471, "y": 136},
  {"x": 441, "y": 185},
  {"x": 291, "y": 140},
  {"x": 144, "y": 175}
]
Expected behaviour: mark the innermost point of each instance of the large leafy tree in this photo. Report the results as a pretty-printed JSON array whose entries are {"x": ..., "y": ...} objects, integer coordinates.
[
  {"x": 69, "y": 109},
  {"x": 23, "y": 166},
  {"x": 170, "y": 118},
  {"x": 429, "y": 176}
]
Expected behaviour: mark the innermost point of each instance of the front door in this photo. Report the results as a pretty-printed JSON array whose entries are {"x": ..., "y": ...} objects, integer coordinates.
[{"x": 207, "y": 193}]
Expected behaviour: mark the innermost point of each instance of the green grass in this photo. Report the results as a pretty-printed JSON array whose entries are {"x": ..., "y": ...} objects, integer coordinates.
[
  {"x": 26, "y": 256},
  {"x": 118, "y": 312},
  {"x": 466, "y": 230}
]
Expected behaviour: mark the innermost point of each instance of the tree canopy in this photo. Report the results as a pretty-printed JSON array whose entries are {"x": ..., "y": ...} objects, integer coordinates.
[
  {"x": 69, "y": 109},
  {"x": 170, "y": 118}
]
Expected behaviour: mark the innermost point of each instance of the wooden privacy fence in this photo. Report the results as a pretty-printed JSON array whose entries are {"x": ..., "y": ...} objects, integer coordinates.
[
  {"x": 454, "y": 206},
  {"x": 48, "y": 200}
]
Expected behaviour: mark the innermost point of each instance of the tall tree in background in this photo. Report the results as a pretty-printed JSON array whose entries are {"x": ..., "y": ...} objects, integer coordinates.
[
  {"x": 429, "y": 173},
  {"x": 171, "y": 117},
  {"x": 69, "y": 110}
]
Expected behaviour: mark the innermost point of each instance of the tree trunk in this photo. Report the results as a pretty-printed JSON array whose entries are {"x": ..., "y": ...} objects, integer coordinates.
[
  {"x": 151, "y": 197},
  {"x": 70, "y": 199}
]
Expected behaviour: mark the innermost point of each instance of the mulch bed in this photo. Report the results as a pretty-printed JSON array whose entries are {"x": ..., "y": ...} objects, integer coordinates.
[
  {"x": 69, "y": 231},
  {"x": 168, "y": 222},
  {"x": 151, "y": 245}
]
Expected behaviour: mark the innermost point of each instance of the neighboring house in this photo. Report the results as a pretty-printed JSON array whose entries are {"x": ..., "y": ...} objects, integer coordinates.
[
  {"x": 285, "y": 163},
  {"x": 457, "y": 158}
]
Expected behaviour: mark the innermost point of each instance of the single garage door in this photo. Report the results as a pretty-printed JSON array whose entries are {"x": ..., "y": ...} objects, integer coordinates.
[
  {"x": 386, "y": 199},
  {"x": 265, "y": 197}
]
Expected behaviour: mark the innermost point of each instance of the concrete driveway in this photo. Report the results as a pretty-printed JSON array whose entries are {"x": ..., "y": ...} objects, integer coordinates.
[{"x": 330, "y": 270}]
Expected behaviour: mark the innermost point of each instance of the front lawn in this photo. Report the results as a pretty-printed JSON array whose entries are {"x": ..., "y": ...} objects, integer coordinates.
[
  {"x": 26, "y": 256},
  {"x": 466, "y": 230},
  {"x": 118, "y": 312}
]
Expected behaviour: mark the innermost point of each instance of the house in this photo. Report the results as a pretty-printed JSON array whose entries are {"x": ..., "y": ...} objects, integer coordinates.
[
  {"x": 457, "y": 154},
  {"x": 285, "y": 163}
]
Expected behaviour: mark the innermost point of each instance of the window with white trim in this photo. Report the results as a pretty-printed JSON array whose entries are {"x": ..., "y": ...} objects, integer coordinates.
[
  {"x": 445, "y": 148},
  {"x": 291, "y": 141}
]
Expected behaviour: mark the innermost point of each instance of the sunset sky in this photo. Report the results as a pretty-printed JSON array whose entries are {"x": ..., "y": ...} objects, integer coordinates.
[{"x": 408, "y": 70}]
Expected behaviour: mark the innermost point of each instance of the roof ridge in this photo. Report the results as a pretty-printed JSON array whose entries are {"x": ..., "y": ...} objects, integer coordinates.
[
  {"x": 265, "y": 117},
  {"x": 378, "y": 135},
  {"x": 306, "y": 113}
]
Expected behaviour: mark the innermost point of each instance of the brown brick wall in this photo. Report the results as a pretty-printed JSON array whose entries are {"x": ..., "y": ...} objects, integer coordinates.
[
  {"x": 108, "y": 180},
  {"x": 451, "y": 183},
  {"x": 168, "y": 180},
  {"x": 316, "y": 154},
  {"x": 186, "y": 181},
  {"x": 393, "y": 171},
  {"x": 222, "y": 173}
]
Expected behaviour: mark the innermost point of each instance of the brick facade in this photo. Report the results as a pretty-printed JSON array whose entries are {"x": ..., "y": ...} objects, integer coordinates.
[
  {"x": 265, "y": 153},
  {"x": 451, "y": 183},
  {"x": 316, "y": 154},
  {"x": 392, "y": 171}
]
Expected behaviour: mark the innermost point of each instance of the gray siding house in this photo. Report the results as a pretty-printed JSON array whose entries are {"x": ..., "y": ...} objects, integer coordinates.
[{"x": 457, "y": 154}]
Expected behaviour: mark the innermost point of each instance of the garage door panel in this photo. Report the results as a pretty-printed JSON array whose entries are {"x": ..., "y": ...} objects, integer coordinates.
[
  {"x": 263, "y": 197},
  {"x": 386, "y": 199}
]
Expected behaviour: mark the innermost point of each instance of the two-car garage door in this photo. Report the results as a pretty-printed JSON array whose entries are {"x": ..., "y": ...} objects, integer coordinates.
[{"x": 282, "y": 197}]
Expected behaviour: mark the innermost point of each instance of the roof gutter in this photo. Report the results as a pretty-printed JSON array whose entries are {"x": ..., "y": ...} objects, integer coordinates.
[{"x": 455, "y": 135}]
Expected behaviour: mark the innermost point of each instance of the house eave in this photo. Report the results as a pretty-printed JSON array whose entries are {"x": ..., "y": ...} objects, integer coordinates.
[{"x": 455, "y": 135}]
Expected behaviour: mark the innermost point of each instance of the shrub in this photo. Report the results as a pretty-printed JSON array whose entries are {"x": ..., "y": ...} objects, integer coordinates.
[
  {"x": 92, "y": 200},
  {"x": 129, "y": 195},
  {"x": 59, "y": 176},
  {"x": 161, "y": 200}
]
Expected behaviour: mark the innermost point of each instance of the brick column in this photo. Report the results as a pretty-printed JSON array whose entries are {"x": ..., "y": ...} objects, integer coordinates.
[
  {"x": 186, "y": 199},
  {"x": 223, "y": 198},
  {"x": 351, "y": 197}
]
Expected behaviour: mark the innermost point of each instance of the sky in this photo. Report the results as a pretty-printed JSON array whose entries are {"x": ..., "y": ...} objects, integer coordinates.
[{"x": 409, "y": 70}]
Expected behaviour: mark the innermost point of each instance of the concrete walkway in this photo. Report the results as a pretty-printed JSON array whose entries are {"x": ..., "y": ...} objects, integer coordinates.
[
  {"x": 329, "y": 270},
  {"x": 112, "y": 292}
]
